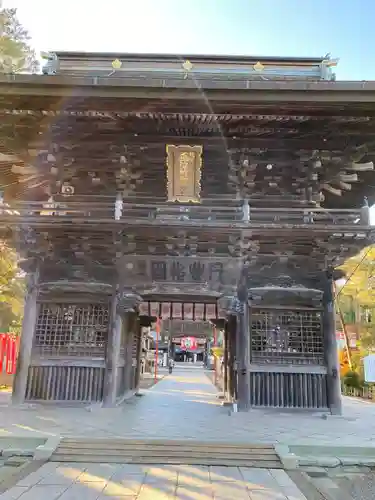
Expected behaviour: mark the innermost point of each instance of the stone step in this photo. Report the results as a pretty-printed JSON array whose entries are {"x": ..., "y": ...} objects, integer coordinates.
[
  {"x": 170, "y": 452},
  {"x": 304, "y": 484},
  {"x": 79, "y": 441},
  {"x": 164, "y": 451},
  {"x": 161, "y": 454},
  {"x": 323, "y": 487},
  {"x": 330, "y": 489},
  {"x": 121, "y": 459}
]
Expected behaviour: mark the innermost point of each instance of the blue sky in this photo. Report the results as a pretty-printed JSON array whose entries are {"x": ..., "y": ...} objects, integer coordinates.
[{"x": 254, "y": 27}]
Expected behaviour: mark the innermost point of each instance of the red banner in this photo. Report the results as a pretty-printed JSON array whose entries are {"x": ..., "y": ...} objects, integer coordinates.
[
  {"x": 8, "y": 353},
  {"x": 3, "y": 340},
  {"x": 189, "y": 343}
]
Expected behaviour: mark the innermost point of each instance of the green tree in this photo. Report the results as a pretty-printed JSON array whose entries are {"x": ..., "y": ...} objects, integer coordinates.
[
  {"x": 16, "y": 54},
  {"x": 12, "y": 289},
  {"x": 356, "y": 298}
]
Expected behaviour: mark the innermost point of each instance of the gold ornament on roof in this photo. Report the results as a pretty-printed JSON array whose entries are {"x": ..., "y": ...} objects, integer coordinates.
[
  {"x": 116, "y": 64},
  {"x": 258, "y": 66},
  {"x": 187, "y": 65}
]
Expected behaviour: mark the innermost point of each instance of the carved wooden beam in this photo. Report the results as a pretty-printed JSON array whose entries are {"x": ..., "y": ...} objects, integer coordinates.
[
  {"x": 361, "y": 167},
  {"x": 345, "y": 185},
  {"x": 332, "y": 190},
  {"x": 348, "y": 177},
  {"x": 359, "y": 153},
  {"x": 24, "y": 170}
]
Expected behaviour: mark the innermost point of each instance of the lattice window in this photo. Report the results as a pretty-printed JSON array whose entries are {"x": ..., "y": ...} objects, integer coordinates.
[
  {"x": 72, "y": 330},
  {"x": 286, "y": 337}
]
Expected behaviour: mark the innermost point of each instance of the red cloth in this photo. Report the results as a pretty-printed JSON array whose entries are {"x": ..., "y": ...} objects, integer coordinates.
[
  {"x": 3, "y": 339},
  {"x": 9, "y": 355}
]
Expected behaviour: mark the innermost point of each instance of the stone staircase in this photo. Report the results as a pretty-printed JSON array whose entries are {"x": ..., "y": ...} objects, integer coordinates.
[
  {"x": 118, "y": 450},
  {"x": 335, "y": 484}
]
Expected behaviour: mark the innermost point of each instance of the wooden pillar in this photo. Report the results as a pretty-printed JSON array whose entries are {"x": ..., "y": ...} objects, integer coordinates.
[
  {"x": 111, "y": 376},
  {"x": 232, "y": 363},
  {"x": 26, "y": 342},
  {"x": 128, "y": 354},
  {"x": 226, "y": 358},
  {"x": 331, "y": 351},
  {"x": 243, "y": 349},
  {"x": 139, "y": 351},
  {"x": 365, "y": 215}
]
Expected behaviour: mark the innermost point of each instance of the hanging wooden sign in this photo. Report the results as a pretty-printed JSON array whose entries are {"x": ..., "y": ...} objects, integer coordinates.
[
  {"x": 154, "y": 309},
  {"x": 144, "y": 309},
  {"x": 210, "y": 311},
  {"x": 188, "y": 311},
  {"x": 184, "y": 165},
  {"x": 181, "y": 311},
  {"x": 199, "y": 311},
  {"x": 177, "y": 310},
  {"x": 165, "y": 310}
]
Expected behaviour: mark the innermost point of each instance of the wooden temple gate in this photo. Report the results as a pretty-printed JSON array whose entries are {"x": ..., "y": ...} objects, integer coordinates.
[
  {"x": 90, "y": 350},
  {"x": 128, "y": 201},
  {"x": 276, "y": 351}
]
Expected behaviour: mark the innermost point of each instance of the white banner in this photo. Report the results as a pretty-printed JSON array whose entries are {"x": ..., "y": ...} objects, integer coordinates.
[{"x": 369, "y": 367}]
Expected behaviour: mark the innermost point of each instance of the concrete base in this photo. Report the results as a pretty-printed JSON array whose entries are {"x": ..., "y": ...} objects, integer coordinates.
[
  {"x": 126, "y": 396},
  {"x": 288, "y": 459},
  {"x": 294, "y": 457},
  {"x": 21, "y": 443},
  {"x": 45, "y": 451}
]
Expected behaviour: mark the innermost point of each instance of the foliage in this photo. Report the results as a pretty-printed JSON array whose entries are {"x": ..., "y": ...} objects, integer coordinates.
[
  {"x": 353, "y": 380},
  {"x": 12, "y": 289},
  {"x": 361, "y": 273},
  {"x": 218, "y": 352},
  {"x": 356, "y": 298},
  {"x": 15, "y": 55},
  {"x": 357, "y": 361},
  {"x": 15, "y": 52}
]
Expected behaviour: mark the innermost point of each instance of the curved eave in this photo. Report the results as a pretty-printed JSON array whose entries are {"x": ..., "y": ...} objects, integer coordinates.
[
  {"x": 158, "y": 57},
  {"x": 238, "y": 90}
]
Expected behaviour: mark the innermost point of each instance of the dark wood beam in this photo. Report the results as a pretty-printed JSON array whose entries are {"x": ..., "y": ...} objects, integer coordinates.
[
  {"x": 155, "y": 141},
  {"x": 236, "y": 91}
]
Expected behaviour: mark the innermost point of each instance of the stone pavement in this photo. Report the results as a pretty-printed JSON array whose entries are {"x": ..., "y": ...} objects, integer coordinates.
[
  {"x": 184, "y": 405},
  {"x": 134, "y": 482}
]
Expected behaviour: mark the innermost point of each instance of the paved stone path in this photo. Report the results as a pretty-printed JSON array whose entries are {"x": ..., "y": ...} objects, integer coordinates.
[
  {"x": 184, "y": 405},
  {"x": 134, "y": 482}
]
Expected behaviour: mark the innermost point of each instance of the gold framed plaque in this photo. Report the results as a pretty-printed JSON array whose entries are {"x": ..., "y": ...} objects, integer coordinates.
[{"x": 184, "y": 165}]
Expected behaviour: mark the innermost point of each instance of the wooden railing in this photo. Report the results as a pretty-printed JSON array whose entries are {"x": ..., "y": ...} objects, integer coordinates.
[
  {"x": 367, "y": 392},
  {"x": 235, "y": 212}
]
